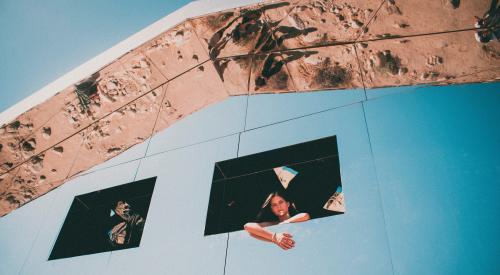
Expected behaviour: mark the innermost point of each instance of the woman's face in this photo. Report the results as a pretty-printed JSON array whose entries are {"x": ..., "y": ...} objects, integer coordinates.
[{"x": 279, "y": 206}]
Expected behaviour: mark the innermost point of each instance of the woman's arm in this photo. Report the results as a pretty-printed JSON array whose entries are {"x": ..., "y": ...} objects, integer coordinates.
[
  {"x": 283, "y": 240},
  {"x": 259, "y": 231},
  {"x": 301, "y": 217}
]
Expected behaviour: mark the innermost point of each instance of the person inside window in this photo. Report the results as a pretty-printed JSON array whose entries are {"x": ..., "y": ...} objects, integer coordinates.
[{"x": 277, "y": 209}]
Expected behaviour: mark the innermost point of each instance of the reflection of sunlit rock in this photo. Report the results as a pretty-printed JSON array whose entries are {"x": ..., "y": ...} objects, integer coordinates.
[
  {"x": 113, "y": 87},
  {"x": 333, "y": 21},
  {"x": 444, "y": 58},
  {"x": 47, "y": 131},
  {"x": 250, "y": 30},
  {"x": 269, "y": 74},
  {"x": 334, "y": 67},
  {"x": 234, "y": 73},
  {"x": 400, "y": 18},
  {"x": 385, "y": 62},
  {"x": 142, "y": 70},
  {"x": 175, "y": 51}
]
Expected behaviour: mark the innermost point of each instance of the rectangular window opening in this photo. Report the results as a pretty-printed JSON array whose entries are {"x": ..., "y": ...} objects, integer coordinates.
[
  {"x": 105, "y": 220},
  {"x": 307, "y": 175}
]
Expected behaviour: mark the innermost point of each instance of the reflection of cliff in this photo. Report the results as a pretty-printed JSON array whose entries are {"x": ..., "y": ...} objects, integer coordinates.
[{"x": 288, "y": 46}]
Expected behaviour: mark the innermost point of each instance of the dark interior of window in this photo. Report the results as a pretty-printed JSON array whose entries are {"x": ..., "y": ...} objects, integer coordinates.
[{"x": 105, "y": 220}]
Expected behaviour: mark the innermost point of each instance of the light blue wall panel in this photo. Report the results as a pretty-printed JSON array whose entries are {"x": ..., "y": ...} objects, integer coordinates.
[
  {"x": 173, "y": 241},
  {"x": 217, "y": 120},
  {"x": 437, "y": 156},
  {"x": 270, "y": 108},
  {"x": 18, "y": 231},
  {"x": 353, "y": 243},
  {"x": 381, "y": 92}
]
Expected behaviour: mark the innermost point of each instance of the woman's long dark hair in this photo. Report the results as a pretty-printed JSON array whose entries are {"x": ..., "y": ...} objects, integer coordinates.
[{"x": 265, "y": 213}]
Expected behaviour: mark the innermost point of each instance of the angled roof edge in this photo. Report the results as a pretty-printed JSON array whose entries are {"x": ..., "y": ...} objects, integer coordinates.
[{"x": 193, "y": 9}]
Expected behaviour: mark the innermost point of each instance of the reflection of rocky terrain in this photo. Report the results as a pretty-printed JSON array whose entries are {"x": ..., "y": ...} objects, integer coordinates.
[
  {"x": 446, "y": 58},
  {"x": 287, "y": 46},
  {"x": 333, "y": 21}
]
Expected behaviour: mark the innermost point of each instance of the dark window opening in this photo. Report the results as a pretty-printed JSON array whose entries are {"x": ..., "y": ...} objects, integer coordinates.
[
  {"x": 308, "y": 174},
  {"x": 105, "y": 220}
]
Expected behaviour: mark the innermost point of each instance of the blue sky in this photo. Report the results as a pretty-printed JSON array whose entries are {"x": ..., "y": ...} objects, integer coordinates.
[{"x": 42, "y": 40}]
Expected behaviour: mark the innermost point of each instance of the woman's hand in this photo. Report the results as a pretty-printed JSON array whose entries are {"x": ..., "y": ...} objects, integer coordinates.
[{"x": 283, "y": 240}]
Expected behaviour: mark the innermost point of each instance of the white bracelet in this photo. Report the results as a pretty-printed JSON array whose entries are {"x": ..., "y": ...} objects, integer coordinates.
[{"x": 273, "y": 238}]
